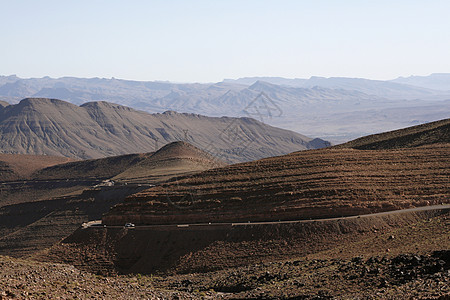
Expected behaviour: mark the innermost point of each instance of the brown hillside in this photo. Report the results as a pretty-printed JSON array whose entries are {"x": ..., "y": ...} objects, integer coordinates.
[
  {"x": 310, "y": 184},
  {"x": 425, "y": 134},
  {"x": 22, "y": 166},
  {"x": 3, "y": 104},
  {"x": 101, "y": 168},
  {"x": 174, "y": 159},
  {"x": 181, "y": 149}
]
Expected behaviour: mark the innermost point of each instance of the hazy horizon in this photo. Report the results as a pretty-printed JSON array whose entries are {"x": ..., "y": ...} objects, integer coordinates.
[
  {"x": 206, "y": 41},
  {"x": 223, "y": 79}
]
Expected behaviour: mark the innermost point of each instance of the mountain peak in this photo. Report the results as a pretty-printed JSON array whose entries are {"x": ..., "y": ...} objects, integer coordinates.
[
  {"x": 180, "y": 149},
  {"x": 261, "y": 85},
  {"x": 43, "y": 102}
]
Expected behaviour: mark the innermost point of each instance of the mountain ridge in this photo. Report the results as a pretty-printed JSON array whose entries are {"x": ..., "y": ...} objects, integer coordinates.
[{"x": 100, "y": 129}]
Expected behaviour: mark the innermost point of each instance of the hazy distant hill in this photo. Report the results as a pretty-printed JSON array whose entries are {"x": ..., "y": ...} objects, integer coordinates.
[
  {"x": 436, "y": 81},
  {"x": 100, "y": 129},
  {"x": 379, "y": 88},
  {"x": 425, "y": 134}
]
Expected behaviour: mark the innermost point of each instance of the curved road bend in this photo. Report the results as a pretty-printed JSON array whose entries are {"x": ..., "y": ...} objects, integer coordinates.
[{"x": 98, "y": 223}]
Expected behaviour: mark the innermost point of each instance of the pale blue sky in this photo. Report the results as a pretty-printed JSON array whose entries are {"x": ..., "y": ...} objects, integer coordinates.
[{"x": 206, "y": 41}]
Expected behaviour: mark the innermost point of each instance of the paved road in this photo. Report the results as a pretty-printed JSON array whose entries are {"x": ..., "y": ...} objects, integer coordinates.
[
  {"x": 33, "y": 181},
  {"x": 97, "y": 223}
]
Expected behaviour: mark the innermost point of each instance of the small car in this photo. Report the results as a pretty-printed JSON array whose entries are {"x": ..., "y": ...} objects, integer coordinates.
[{"x": 129, "y": 225}]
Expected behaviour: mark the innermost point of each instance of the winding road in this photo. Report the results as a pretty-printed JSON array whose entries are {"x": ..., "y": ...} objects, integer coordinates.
[{"x": 98, "y": 223}]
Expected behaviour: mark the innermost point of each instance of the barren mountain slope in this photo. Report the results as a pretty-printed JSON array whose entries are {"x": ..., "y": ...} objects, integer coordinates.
[
  {"x": 429, "y": 133},
  {"x": 99, "y": 129}
]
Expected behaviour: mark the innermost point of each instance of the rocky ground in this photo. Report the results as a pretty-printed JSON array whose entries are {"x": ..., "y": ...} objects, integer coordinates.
[
  {"x": 401, "y": 277},
  {"x": 405, "y": 276},
  {"x": 21, "y": 279}
]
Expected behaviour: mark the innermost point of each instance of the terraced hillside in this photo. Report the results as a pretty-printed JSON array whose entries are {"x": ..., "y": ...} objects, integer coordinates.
[
  {"x": 425, "y": 134},
  {"x": 309, "y": 184}
]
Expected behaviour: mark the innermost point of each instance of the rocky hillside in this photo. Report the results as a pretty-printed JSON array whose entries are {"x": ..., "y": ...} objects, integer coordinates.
[
  {"x": 100, "y": 129},
  {"x": 425, "y": 134}
]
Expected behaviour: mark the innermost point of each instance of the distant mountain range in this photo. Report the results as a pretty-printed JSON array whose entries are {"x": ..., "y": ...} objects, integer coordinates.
[
  {"x": 336, "y": 109},
  {"x": 100, "y": 129}
]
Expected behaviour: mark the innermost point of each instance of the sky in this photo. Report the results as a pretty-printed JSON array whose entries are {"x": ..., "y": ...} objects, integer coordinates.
[{"x": 207, "y": 41}]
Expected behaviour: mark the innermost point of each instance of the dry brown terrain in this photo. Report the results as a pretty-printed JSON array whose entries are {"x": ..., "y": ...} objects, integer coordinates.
[
  {"x": 301, "y": 185},
  {"x": 22, "y": 166}
]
